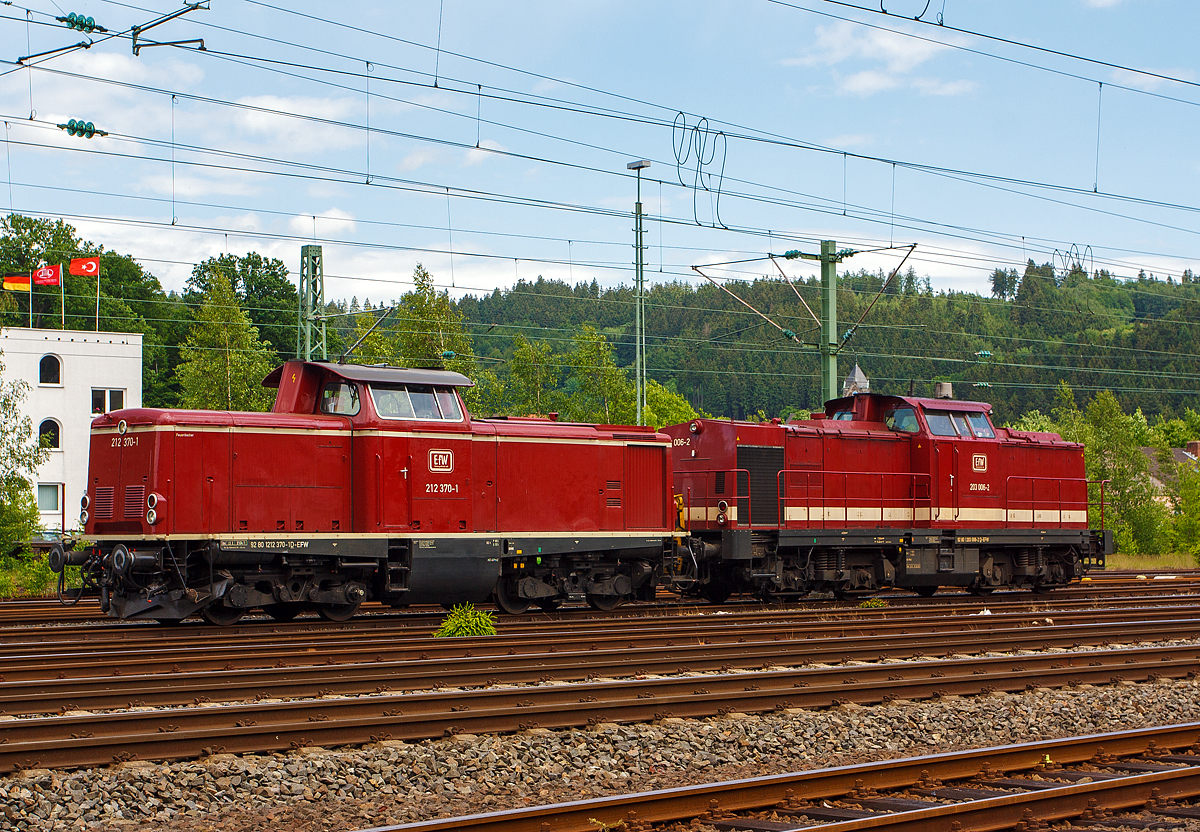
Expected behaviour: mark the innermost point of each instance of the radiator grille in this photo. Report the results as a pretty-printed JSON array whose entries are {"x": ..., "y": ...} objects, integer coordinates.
[
  {"x": 135, "y": 498},
  {"x": 719, "y": 485},
  {"x": 105, "y": 495},
  {"x": 763, "y": 466}
]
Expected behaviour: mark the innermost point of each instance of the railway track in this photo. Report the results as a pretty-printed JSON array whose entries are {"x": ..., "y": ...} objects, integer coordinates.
[
  {"x": 73, "y": 740},
  {"x": 37, "y": 685},
  {"x": 1132, "y": 779},
  {"x": 1099, "y": 585},
  {"x": 73, "y": 653}
]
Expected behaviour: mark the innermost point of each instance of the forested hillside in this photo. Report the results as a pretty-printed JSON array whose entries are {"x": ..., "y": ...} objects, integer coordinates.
[{"x": 1138, "y": 339}]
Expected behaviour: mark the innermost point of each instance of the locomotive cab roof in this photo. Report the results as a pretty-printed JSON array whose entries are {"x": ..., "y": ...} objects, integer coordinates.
[
  {"x": 376, "y": 374},
  {"x": 869, "y": 406}
]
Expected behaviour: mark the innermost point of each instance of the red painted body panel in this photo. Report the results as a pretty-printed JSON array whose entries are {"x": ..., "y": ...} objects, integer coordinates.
[
  {"x": 858, "y": 473},
  {"x": 285, "y": 472}
]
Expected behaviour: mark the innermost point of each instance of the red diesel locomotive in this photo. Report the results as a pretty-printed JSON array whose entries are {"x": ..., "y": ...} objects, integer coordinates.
[
  {"x": 375, "y": 483},
  {"x": 883, "y": 491}
]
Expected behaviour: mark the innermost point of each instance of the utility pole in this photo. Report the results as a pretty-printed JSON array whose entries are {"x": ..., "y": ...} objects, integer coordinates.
[
  {"x": 639, "y": 314},
  {"x": 310, "y": 332},
  {"x": 829, "y": 344}
]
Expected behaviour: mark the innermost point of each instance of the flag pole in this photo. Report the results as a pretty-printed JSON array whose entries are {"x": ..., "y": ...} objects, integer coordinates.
[
  {"x": 97, "y": 295},
  {"x": 31, "y": 299},
  {"x": 62, "y": 294}
]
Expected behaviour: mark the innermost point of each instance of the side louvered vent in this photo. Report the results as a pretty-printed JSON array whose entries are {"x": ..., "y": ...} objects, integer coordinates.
[
  {"x": 105, "y": 496},
  {"x": 614, "y": 502},
  {"x": 135, "y": 500},
  {"x": 614, "y": 485}
]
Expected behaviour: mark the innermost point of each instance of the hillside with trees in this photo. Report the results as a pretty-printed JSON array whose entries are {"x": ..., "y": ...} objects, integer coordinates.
[{"x": 1108, "y": 362}]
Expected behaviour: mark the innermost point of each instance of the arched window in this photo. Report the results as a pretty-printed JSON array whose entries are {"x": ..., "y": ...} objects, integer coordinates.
[
  {"x": 48, "y": 434},
  {"x": 50, "y": 370}
]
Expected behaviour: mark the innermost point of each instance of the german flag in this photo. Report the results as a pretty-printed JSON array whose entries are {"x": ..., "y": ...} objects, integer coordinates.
[{"x": 17, "y": 282}]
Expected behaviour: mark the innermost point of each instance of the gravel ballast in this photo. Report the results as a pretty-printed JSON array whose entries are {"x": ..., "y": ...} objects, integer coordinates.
[{"x": 397, "y": 782}]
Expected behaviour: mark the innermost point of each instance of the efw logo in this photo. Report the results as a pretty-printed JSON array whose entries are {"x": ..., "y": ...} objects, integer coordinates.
[
  {"x": 441, "y": 462},
  {"x": 979, "y": 462}
]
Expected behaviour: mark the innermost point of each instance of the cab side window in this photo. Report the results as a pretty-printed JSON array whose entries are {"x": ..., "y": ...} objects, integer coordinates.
[
  {"x": 844, "y": 416},
  {"x": 902, "y": 419},
  {"x": 980, "y": 425},
  {"x": 340, "y": 399},
  {"x": 940, "y": 423}
]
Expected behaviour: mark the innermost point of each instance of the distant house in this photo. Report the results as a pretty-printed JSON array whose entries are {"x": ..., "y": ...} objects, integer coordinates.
[
  {"x": 72, "y": 376},
  {"x": 856, "y": 382},
  {"x": 1163, "y": 480}
]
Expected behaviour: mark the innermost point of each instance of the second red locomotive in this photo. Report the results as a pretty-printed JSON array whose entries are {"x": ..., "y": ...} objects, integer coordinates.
[{"x": 376, "y": 483}]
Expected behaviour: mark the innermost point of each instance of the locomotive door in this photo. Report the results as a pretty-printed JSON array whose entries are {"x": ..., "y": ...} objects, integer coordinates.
[
  {"x": 440, "y": 482},
  {"x": 392, "y": 477}
]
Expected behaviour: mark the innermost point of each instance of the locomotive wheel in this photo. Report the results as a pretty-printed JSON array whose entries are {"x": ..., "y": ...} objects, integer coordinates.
[
  {"x": 507, "y": 601},
  {"x": 1043, "y": 589},
  {"x": 222, "y": 615},
  {"x": 550, "y": 605},
  {"x": 337, "y": 612},
  {"x": 926, "y": 591},
  {"x": 604, "y": 603},
  {"x": 283, "y": 612},
  {"x": 981, "y": 590}
]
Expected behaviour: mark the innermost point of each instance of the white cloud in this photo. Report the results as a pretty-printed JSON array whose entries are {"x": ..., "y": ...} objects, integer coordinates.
[
  {"x": 845, "y": 41},
  {"x": 332, "y": 222},
  {"x": 1102, "y": 4},
  {"x": 476, "y": 156},
  {"x": 421, "y": 157},
  {"x": 898, "y": 55},
  {"x": 868, "y": 82},
  {"x": 932, "y": 86}
]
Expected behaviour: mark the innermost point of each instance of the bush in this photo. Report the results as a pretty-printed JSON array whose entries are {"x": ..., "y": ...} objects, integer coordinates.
[
  {"x": 464, "y": 620},
  {"x": 26, "y": 574},
  {"x": 872, "y": 604}
]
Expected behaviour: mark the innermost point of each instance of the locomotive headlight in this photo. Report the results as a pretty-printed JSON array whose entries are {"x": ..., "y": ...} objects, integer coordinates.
[
  {"x": 151, "y": 516},
  {"x": 153, "y": 499},
  {"x": 722, "y": 519},
  {"x": 695, "y": 427},
  {"x": 722, "y": 506},
  {"x": 83, "y": 517},
  {"x": 84, "y": 502}
]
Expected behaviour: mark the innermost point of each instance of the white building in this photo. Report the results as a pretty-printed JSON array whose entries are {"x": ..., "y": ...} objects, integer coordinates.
[{"x": 72, "y": 376}]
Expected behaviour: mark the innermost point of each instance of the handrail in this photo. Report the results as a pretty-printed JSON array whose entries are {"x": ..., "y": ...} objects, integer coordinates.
[
  {"x": 913, "y": 501},
  {"x": 1009, "y": 501},
  {"x": 729, "y": 498}
]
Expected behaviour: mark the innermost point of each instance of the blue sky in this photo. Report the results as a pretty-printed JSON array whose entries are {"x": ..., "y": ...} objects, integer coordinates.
[{"x": 800, "y": 111}]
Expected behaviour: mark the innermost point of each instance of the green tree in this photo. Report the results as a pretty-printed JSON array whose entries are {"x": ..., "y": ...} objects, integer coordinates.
[
  {"x": 598, "y": 390},
  {"x": 666, "y": 407},
  {"x": 20, "y": 455},
  {"x": 265, "y": 291},
  {"x": 429, "y": 330},
  {"x": 223, "y": 362},
  {"x": 534, "y": 373},
  {"x": 1186, "y": 529}
]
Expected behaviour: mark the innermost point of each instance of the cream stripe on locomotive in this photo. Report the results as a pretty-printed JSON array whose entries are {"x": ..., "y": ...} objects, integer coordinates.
[
  {"x": 800, "y": 514},
  {"x": 536, "y": 440}
]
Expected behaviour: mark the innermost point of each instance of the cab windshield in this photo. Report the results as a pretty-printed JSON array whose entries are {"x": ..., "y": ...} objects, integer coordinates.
[
  {"x": 965, "y": 424},
  {"x": 416, "y": 401}
]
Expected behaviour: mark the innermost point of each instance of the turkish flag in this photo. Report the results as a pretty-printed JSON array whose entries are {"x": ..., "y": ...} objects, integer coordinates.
[
  {"x": 86, "y": 266},
  {"x": 48, "y": 275}
]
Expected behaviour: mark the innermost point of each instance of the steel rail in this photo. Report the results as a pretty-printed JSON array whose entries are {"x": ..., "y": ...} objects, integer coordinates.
[
  {"x": 781, "y": 790},
  {"x": 42, "y": 694},
  {"x": 849, "y": 640},
  {"x": 100, "y": 739}
]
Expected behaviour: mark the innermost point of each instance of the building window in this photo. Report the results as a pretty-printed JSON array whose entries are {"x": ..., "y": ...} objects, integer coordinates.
[
  {"x": 47, "y": 496},
  {"x": 48, "y": 434},
  {"x": 50, "y": 370},
  {"x": 104, "y": 401}
]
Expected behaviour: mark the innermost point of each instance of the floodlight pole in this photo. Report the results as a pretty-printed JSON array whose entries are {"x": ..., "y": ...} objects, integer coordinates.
[{"x": 639, "y": 314}]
